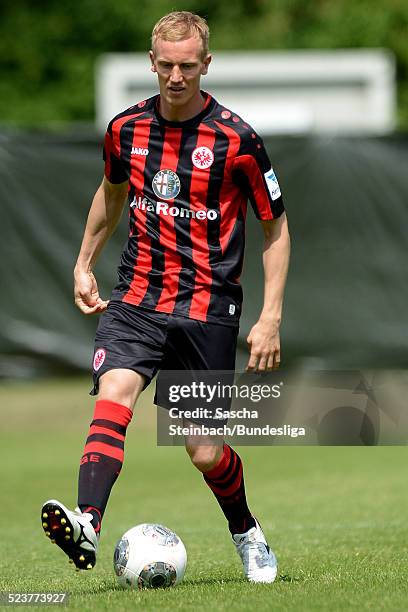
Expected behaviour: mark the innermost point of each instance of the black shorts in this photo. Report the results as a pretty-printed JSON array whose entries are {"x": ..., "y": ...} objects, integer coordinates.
[{"x": 145, "y": 341}]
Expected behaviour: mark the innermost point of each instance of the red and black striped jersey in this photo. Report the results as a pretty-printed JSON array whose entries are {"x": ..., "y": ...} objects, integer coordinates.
[{"x": 189, "y": 183}]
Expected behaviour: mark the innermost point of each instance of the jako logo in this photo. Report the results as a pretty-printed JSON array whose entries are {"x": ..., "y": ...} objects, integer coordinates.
[
  {"x": 140, "y": 151},
  {"x": 161, "y": 208}
]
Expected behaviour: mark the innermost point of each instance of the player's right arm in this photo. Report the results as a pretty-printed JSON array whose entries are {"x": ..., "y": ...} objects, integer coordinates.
[{"x": 103, "y": 217}]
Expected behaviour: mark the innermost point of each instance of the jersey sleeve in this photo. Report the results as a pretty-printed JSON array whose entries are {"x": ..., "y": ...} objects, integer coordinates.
[
  {"x": 114, "y": 168},
  {"x": 253, "y": 171}
]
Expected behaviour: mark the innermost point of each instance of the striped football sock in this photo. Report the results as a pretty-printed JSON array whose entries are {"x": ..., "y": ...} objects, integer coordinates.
[
  {"x": 103, "y": 457},
  {"x": 226, "y": 481}
]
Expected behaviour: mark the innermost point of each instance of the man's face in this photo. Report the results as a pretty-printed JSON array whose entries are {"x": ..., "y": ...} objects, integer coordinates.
[{"x": 179, "y": 66}]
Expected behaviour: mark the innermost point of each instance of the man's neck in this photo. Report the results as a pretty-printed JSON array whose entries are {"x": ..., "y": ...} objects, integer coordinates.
[{"x": 181, "y": 113}]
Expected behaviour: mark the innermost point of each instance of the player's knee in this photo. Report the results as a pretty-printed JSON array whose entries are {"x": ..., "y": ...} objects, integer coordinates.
[
  {"x": 204, "y": 458},
  {"x": 121, "y": 386}
]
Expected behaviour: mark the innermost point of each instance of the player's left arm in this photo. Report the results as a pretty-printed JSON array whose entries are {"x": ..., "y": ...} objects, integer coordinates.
[
  {"x": 253, "y": 172},
  {"x": 263, "y": 339}
]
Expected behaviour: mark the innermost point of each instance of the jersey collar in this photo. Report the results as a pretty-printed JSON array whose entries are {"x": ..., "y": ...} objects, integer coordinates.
[{"x": 194, "y": 121}]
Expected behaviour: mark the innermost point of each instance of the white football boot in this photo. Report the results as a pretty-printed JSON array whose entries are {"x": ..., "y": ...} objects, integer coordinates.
[
  {"x": 260, "y": 564},
  {"x": 72, "y": 531}
]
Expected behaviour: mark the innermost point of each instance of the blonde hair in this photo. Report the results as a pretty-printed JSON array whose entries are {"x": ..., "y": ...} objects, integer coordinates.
[{"x": 180, "y": 25}]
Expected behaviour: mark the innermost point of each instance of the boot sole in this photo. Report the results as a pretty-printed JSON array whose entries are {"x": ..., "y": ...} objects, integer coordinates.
[{"x": 59, "y": 529}]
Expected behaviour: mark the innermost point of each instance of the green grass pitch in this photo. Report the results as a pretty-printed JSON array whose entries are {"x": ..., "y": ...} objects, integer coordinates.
[{"x": 336, "y": 517}]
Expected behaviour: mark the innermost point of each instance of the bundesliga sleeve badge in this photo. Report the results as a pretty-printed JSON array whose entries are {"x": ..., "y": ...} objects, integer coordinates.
[{"x": 273, "y": 185}]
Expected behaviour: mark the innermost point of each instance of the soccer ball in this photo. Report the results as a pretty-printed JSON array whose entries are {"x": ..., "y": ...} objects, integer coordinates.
[{"x": 149, "y": 556}]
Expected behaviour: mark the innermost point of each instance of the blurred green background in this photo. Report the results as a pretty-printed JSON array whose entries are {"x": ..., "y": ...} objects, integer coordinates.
[
  {"x": 48, "y": 47},
  {"x": 345, "y": 195},
  {"x": 333, "y": 514}
]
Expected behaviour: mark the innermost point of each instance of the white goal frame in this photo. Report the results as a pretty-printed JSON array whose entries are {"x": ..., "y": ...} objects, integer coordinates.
[{"x": 297, "y": 92}]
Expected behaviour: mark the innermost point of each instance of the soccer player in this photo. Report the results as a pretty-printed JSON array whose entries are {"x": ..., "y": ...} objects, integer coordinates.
[{"x": 187, "y": 166}]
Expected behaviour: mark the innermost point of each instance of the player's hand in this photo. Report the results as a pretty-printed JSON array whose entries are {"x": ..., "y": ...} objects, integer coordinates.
[
  {"x": 264, "y": 346},
  {"x": 86, "y": 293}
]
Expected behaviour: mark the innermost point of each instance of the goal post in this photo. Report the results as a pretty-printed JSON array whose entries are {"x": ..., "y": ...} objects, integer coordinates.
[{"x": 296, "y": 92}]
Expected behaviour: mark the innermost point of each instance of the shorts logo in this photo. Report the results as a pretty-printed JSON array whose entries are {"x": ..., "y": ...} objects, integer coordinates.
[
  {"x": 99, "y": 358},
  {"x": 272, "y": 183},
  {"x": 166, "y": 184},
  {"x": 202, "y": 157}
]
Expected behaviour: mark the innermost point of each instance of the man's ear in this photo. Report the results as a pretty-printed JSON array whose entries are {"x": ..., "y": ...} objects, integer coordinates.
[
  {"x": 152, "y": 67},
  {"x": 206, "y": 63}
]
